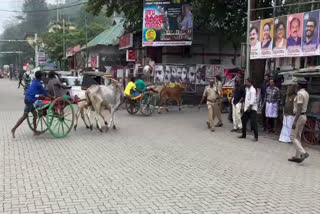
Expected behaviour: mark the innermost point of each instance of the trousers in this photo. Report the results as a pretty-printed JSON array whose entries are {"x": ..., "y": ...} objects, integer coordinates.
[
  {"x": 252, "y": 115},
  {"x": 219, "y": 104},
  {"x": 212, "y": 113},
  {"x": 236, "y": 116},
  {"x": 296, "y": 135}
]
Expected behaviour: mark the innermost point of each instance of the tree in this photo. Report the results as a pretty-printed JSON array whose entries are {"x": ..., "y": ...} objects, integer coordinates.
[
  {"x": 54, "y": 40},
  {"x": 36, "y": 21},
  {"x": 132, "y": 11}
]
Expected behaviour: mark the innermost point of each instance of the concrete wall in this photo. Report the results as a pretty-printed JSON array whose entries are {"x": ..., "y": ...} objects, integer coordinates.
[{"x": 205, "y": 48}]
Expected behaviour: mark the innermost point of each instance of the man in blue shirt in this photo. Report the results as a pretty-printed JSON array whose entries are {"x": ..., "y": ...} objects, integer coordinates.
[
  {"x": 310, "y": 40},
  {"x": 35, "y": 88}
]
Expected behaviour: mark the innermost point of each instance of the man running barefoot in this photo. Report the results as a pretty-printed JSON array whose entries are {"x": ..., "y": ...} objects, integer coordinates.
[{"x": 35, "y": 88}]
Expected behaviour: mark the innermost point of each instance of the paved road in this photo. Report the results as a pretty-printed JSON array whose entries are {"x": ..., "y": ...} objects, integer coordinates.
[{"x": 166, "y": 163}]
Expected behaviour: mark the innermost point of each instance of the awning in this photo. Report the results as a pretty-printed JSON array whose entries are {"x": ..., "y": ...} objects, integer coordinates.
[{"x": 107, "y": 37}]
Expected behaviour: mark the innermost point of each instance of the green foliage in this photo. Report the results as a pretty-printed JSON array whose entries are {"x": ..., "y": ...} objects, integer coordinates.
[
  {"x": 38, "y": 22},
  {"x": 132, "y": 11},
  {"x": 54, "y": 40},
  {"x": 299, "y": 8}
]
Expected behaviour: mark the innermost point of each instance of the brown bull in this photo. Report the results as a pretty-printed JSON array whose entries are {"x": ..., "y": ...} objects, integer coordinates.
[{"x": 174, "y": 92}]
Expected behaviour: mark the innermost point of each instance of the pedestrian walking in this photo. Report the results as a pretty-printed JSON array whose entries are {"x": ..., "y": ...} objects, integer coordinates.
[
  {"x": 237, "y": 102},
  {"x": 299, "y": 109},
  {"x": 250, "y": 110},
  {"x": 211, "y": 94},
  {"x": 264, "y": 87},
  {"x": 219, "y": 101},
  {"x": 288, "y": 115},
  {"x": 20, "y": 78},
  {"x": 272, "y": 99}
]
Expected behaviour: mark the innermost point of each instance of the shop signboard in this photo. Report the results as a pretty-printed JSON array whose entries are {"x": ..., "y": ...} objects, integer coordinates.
[
  {"x": 131, "y": 55},
  {"x": 126, "y": 41}
]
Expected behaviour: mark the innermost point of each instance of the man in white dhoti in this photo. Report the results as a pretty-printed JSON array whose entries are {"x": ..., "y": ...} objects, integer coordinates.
[{"x": 288, "y": 116}]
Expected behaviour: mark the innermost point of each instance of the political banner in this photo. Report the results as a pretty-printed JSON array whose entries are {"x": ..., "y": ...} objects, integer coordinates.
[
  {"x": 159, "y": 74},
  {"x": 201, "y": 74},
  {"x": 167, "y": 23},
  {"x": 266, "y": 37},
  {"x": 310, "y": 33},
  {"x": 167, "y": 74},
  {"x": 280, "y": 37},
  {"x": 294, "y": 34},
  {"x": 255, "y": 44}
]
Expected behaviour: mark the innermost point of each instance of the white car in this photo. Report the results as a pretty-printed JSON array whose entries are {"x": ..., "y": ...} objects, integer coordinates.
[{"x": 75, "y": 83}]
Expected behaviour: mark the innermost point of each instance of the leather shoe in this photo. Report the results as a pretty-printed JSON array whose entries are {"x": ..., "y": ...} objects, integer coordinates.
[
  {"x": 294, "y": 159},
  {"x": 208, "y": 124},
  {"x": 242, "y": 137},
  {"x": 234, "y": 130},
  {"x": 303, "y": 157},
  {"x": 255, "y": 140},
  {"x": 219, "y": 125}
]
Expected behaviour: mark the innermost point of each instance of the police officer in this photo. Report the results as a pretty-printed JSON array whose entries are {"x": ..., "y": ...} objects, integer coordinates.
[
  {"x": 212, "y": 94},
  {"x": 219, "y": 102},
  {"x": 299, "y": 109}
]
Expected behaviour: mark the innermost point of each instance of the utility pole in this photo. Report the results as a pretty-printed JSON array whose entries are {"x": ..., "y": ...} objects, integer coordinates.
[
  {"x": 36, "y": 48},
  {"x": 312, "y": 5},
  {"x": 64, "y": 40},
  {"x": 57, "y": 11},
  {"x": 87, "y": 57},
  {"x": 247, "y": 74}
]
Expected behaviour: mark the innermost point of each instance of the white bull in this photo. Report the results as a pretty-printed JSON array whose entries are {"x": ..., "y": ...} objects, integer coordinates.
[{"x": 101, "y": 98}]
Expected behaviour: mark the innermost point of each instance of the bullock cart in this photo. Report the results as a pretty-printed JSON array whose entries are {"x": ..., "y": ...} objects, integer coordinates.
[{"x": 55, "y": 115}]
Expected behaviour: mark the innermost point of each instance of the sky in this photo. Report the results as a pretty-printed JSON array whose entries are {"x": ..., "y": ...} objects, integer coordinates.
[{"x": 7, "y": 17}]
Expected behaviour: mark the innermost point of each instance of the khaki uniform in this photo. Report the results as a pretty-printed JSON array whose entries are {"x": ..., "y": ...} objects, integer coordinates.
[
  {"x": 219, "y": 86},
  {"x": 301, "y": 98},
  {"x": 212, "y": 102}
]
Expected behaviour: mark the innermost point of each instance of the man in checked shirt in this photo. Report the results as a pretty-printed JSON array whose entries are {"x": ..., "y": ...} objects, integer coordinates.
[{"x": 271, "y": 100}]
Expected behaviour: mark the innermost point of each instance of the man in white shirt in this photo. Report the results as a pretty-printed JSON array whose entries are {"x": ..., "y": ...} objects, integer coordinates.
[{"x": 250, "y": 111}]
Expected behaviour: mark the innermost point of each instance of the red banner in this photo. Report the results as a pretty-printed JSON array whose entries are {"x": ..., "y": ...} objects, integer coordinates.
[
  {"x": 131, "y": 55},
  {"x": 126, "y": 41},
  {"x": 94, "y": 61}
]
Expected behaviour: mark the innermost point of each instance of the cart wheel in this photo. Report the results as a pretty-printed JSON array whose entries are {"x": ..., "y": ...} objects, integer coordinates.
[
  {"x": 148, "y": 105},
  {"x": 132, "y": 106},
  {"x": 309, "y": 132},
  {"x": 60, "y": 117},
  {"x": 42, "y": 125}
]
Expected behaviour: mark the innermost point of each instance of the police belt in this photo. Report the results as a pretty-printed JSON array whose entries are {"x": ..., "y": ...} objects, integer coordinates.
[{"x": 212, "y": 101}]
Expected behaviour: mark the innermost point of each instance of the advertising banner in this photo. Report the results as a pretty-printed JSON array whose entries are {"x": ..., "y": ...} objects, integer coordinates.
[
  {"x": 126, "y": 41},
  {"x": 131, "y": 55},
  {"x": 167, "y": 23},
  {"x": 94, "y": 61}
]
